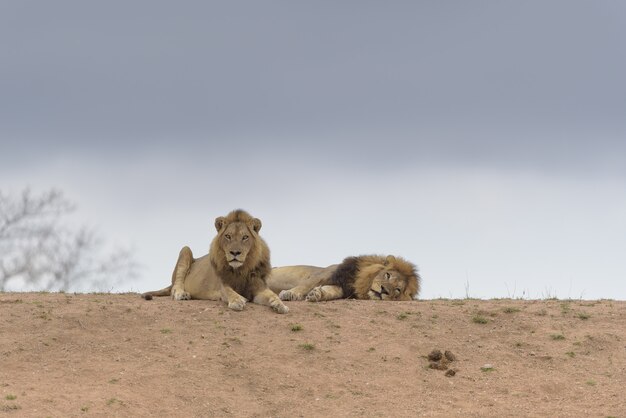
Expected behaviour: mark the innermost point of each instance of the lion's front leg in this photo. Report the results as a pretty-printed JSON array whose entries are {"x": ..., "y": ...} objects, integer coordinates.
[
  {"x": 268, "y": 298},
  {"x": 322, "y": 293},
  {"x": 295, "y": 293},
  {"x": 235, "y": 301}
]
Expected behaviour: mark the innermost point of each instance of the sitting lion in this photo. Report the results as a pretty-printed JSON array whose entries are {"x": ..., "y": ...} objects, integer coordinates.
[
  {"x": 235, "y": 270},
  {"x": 364, "y": 277}
]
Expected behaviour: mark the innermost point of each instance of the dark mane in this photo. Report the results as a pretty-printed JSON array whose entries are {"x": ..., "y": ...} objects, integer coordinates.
[{"x": 345, "y": 275}]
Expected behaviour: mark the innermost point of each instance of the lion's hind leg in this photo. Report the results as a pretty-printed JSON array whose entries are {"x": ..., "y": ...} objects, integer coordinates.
[
  {"x": 326, "y": 292},
  {"x": 185, "y": 258},
  {"x": 268, "y": 298},
  {"x": 163, "y": 292}
]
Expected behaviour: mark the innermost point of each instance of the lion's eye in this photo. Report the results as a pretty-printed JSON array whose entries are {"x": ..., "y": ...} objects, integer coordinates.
[
  {"x": 227, "y": 236},
  {"x": 387, "y": 276},
  {"x": 245, "y": 238}
]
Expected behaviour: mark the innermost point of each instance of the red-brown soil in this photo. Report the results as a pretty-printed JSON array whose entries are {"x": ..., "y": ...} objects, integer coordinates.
[{"x": 65, "y": 355}]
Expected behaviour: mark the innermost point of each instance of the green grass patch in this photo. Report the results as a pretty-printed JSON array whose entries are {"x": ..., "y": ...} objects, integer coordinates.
[
  {"x": 10, "y": 397},
  {"x": 583, "y": 316},
  {"x": 296, "y": 327},
  {"x": 570, "y": 354},
  {"x": 479, "y": 319},
  {"x": 557, "y": 337},
  {"x": 510, "y": 310},
  {"x": 307, "y": 346},
  {"x": 166, "y": 331}
]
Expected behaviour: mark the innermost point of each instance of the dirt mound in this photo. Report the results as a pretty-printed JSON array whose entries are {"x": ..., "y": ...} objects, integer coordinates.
[{"x": 119, "y": 355}]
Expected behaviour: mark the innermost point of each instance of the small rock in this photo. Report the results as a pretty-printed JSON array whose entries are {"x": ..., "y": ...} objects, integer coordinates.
[
  {"x": 449, "y": 355},
  {"x": 450, "y": 373},
  {"x": 434, "y": 355}
]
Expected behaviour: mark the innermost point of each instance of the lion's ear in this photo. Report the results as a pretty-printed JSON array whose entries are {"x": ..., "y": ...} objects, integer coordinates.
[
  {"x": 390, "y": 260},
  {"x": 219, "y": 223},
  {"x": 256, "y": 225}
]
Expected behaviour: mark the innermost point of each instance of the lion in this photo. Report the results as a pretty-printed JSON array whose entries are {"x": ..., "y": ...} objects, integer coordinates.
[
  {"x": 374, "y": 277},
  {"x": 235, "y": 270}
]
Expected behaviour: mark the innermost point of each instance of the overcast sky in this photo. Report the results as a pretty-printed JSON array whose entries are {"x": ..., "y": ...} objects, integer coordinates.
[{"x": 485, "y": 141}]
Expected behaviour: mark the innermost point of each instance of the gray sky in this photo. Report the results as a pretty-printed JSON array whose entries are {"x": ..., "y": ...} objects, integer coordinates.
[{"x": 485, "y": 141}]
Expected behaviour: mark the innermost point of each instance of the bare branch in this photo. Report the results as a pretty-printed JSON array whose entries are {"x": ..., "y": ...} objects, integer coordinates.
[{"x": 39, "y": 252}]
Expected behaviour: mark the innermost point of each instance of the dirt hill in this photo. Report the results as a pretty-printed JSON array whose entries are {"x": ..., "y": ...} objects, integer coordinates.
[{"x": 65, "y": 355}]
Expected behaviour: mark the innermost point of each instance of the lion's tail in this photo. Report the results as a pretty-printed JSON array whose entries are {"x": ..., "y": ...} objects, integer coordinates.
[{"x": 163, "y": 292}]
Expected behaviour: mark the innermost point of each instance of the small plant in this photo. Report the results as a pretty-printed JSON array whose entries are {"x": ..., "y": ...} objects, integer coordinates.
[
  {"x": 571, "y": 354},
  {"x": 84, "y": 408},
  {"x": 401, "y": 316},
  {"x": 307, "y": 346},
  {"x": 590, "y": 382},
  {"x": 557, "y": 337},
  {"x": 8, "y": 408},
  {"x": 487, "y": 368},
  {"x": 369, "y": 350},
  {"x": 479, "y": 319},
  {"x": 583, "y": 316},
  {"x": 166, "y": 331},
  {"x": 114, "y": 381},
  {"x": 510, "y": 310},
  {"x": 296, "y": 327},
  {"x": 112, "y": 401},
  {"x": 10, "y": 397}
]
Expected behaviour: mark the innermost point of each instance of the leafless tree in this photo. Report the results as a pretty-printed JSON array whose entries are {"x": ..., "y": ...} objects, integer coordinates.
[{"x": 41, "y": 253}]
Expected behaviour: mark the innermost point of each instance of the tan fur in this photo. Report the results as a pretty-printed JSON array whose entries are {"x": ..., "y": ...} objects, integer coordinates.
[
  {"x": 378, "y": 278},
  {"x": 235, "y": 270}
]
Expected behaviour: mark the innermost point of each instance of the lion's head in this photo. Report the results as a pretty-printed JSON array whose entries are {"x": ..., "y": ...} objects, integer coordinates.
[
  {"x": 238, "y": 246},
  {"x": 386, "y": 278}
]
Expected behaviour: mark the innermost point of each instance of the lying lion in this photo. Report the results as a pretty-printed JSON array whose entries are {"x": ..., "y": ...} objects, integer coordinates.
[
  {"x": 364, "y": 277},
  {"x": 235, "y": 270}
]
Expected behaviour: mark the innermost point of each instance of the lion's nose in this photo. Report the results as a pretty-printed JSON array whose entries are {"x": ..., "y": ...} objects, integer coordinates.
[
  {"x": 383, "y": 291},
  {"x": 235, "y": 253}
]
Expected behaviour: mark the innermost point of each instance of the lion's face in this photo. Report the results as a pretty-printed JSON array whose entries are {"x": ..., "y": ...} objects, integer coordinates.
[
  {"x": 236, "y": 239},
  {"x": 390, "y": 284}
]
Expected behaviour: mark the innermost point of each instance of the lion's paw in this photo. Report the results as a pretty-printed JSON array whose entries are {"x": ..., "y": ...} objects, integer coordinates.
[
  {"x": 181, "y": 295},
  {"x": 237, "y": 305},
  {"x": 315, "y": 295},
  {"x": 289, "y": 295},
  {"x": 280, "y": 307}
]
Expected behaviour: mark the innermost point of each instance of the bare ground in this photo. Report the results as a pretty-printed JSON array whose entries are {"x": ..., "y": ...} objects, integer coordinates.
[{"x": 65, "y": 355}]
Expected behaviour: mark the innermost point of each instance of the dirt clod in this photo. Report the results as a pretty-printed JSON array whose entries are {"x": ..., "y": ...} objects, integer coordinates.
[
  {"x": 449, "y": 355},
  {"x": 438, "y": 365},
  {"x": 434, "y": 355},
  {"x": 450, "y": 373}
]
